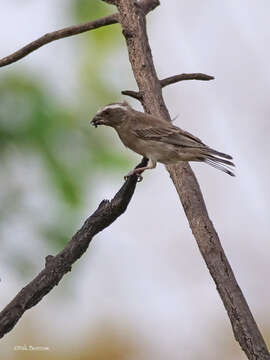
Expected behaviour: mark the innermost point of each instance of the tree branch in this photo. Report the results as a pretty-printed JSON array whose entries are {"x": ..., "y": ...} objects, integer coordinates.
[
  {"x": 56, "y": 35},
  {"x": 170, "y": 80},
  {"x": 109, "y": 1},
  {"x": 244, "y": 326},
  {"x": 70, "y": 31},
  {"x": 181, "y": 77},
  {"x": 134, "y": 94},
  {"x": 57, "y": 266},
  {"x": 148, "y": 5}
]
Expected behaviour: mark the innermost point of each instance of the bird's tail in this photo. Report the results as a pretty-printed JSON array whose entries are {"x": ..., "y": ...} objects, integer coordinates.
[{"x": 219, "y": 163}]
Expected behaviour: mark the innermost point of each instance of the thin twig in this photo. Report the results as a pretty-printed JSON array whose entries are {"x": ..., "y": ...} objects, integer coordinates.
[
  {"x": 109, "y": 1},
  {"x": 56, "y": 35},
  {"x": 57, "y": 266},
  {"x": 170, "y": 80},
  {"x": 134, "y": 94},
  {"x": 181, "y": 77},
  {"x": 146, "y": 5}
]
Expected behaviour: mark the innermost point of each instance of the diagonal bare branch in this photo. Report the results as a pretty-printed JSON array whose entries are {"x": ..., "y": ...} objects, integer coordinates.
[
  {"x": 146, "y": 6},
  {"x": 57, "y": 266},
  {"x": 56, "y": 35}
]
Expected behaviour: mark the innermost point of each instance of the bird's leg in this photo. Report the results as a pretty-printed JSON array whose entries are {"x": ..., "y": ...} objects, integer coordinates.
[{"x": 150, "y": 165}]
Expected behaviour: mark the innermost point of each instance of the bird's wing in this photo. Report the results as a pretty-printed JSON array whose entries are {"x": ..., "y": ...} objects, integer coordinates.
[
  {"x": 170, "y": 135},
  {"x": 176, "y": 136}
]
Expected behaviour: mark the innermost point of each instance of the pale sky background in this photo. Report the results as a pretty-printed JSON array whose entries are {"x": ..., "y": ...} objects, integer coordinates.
[{"x": 145, "y": 273}]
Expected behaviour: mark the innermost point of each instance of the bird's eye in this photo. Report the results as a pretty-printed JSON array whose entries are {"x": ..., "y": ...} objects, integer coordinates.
[{"x": 106, "y": 112}]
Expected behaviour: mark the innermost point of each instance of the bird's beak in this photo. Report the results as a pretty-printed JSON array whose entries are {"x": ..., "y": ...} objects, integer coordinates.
[{"x": 97, "y": 120}]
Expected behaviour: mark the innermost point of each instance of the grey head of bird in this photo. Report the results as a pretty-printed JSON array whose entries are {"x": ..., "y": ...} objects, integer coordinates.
[{"x": 112, "y": 115}]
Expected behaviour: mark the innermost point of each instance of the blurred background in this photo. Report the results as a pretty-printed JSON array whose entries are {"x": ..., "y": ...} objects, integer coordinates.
[{"x": 142, "y": 291}]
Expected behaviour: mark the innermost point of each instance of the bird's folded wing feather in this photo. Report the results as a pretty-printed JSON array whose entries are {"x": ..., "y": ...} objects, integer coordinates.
[
  {"x": 170, "y": 135},
  {"x": 176, "y": 136}
]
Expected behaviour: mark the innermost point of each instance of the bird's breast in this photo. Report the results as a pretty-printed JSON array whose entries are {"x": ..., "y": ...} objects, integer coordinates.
[{"x": 133, "y": 142}]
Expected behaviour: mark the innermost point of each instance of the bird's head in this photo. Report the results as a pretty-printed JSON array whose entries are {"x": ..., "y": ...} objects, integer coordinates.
[{"x": 111, "y": 115}]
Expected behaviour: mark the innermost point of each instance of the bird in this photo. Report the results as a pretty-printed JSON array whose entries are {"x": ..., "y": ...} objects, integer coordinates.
[{"x": 157, "y": 139}]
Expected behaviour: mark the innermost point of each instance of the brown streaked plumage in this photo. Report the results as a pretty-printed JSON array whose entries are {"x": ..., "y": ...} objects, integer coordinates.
[{"x": 157, "y": 139}]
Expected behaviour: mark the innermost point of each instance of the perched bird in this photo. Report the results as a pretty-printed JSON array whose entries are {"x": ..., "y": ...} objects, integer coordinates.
[{"x": 157, "y": 139}]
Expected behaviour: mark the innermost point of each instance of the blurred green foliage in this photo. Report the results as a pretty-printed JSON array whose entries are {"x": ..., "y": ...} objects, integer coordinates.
[{"x": 34, "y": 121}]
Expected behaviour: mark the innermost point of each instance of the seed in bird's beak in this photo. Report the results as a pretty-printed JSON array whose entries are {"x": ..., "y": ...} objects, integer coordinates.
[
  {"x": 97, "y": 120},
  {"x": 93, "y": 123}
]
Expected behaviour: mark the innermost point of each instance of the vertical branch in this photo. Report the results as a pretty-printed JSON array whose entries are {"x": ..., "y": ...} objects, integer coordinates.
[{"x": 246, "y": 332}]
